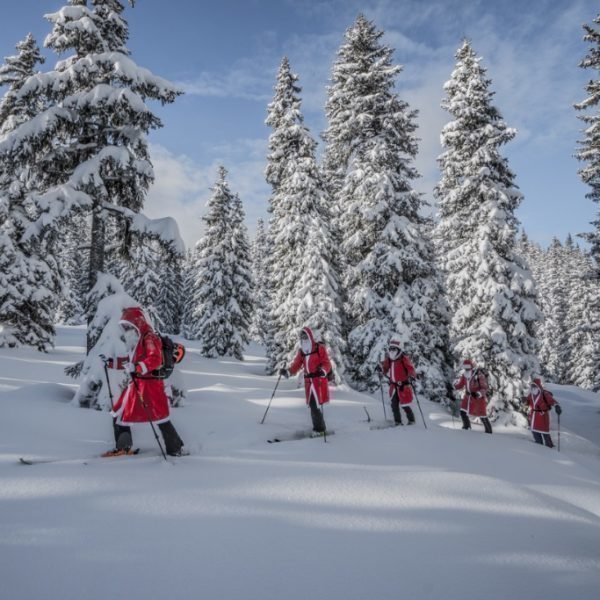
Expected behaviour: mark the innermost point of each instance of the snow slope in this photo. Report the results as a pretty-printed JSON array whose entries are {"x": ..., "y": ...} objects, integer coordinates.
[{"x": 382, "y": 514}]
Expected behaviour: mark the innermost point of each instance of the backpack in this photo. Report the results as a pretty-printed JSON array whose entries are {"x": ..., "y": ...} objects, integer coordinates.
[
  {"x": 172, "y": 353},
  {"x": 481, "y": 371}
]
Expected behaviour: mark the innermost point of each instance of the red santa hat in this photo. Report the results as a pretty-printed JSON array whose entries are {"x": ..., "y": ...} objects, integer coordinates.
[
  {"x": 468, "y": 364},
  {"x": 537, "y": 382},
  {"x": 395, "y": 343}
]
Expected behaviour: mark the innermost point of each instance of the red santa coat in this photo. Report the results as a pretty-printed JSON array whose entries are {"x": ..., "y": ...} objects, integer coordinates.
[
  {"x": 146, "y": 356},
  {"x": 473, "y": 406},
  {"x": 400, "y": 369},
  {"x": 317, "y": 359},
  {"x": 539, "y": 411}
]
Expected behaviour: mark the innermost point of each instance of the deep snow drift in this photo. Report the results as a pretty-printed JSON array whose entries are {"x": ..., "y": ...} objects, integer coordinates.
[{"x": 382, "y": 514}]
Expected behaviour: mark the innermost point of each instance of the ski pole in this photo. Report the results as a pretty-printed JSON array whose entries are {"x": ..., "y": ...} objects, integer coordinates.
[
  {"x": 272, "y": 396},
  {"x": 558, "y": 432},
  {"x": 382, "y": 400},
  {"x": 112, "y": 406},
  {"x": 418, "y": 404},
  {"x": 148, "y": 415}
]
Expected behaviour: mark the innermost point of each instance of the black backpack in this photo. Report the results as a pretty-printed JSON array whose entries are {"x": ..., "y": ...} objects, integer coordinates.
[
  {"x": 482, "y": 371},
  {"x": 172, "y": 353}
]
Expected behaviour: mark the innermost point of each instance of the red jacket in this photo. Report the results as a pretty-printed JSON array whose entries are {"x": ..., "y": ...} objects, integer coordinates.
[
  {"x": 400, "y": 369},
  {"x": 539, "y": 409},
  {"x": 473, "y": 406},
  {"x": 146, "y": 356},
  {"x": 314, "y": 364}
]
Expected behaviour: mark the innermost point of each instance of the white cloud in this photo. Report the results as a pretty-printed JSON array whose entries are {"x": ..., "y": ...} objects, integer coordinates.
[{"x": 182, "y": 187}]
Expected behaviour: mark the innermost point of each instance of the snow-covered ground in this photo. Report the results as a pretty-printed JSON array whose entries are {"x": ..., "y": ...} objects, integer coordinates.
[{"x": 371, "y": 514}]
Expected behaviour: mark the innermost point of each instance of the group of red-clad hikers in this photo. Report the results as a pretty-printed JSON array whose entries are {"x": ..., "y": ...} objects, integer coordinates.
[{"x": 145, "y": 399}]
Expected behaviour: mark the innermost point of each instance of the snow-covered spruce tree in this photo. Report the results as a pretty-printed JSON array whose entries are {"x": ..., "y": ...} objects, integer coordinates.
[
  {"x": 490, "y": 289},
  {"x": 170, "y": 296},
  {"x": 554, "y": 352},
  {"x": 187, "y": 304},
  {"x": 89, "y": 145},
  {"x": 260, "y": 254},
  {"x": 217, "y": 320},
  {"x": 242, "y": 298},
  {"x": 29, "y": 274},
  {"x": 583, "y": 321},
  {"x": 304, "y": 287},
  {"x": 390, "y": 280},
  {"x": 91, "y": 140},
  {"x": 589, "y": 151}
]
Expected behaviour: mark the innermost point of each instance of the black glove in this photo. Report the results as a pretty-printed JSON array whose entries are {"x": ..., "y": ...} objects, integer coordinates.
[
  {"x": 558, "y": 409},
  {"x": 476, "y": 394},
  {"x": 103, "y": 358},
  {"x": 284, "y": 373}
]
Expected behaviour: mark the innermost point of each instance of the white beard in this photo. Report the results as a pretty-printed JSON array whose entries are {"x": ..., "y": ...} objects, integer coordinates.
[
  {"x": 394, "y": 354},
  {"x": 131, "y": 339},
  {"x": 306, "y": 346}
]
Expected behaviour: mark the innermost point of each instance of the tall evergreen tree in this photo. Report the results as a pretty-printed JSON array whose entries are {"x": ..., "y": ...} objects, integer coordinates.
[
  {"x": 89, "y": 144},
  {"x": 390, "y": 280},
  {"x": 582, "y": 322},
  {"x": 490, "y": 288},
  {"x": 589, "y": 151},
  {"x": 304, "y": 283},
  {"x": 29, "y": 273},
  {"x": 218, "y": 319},
  {"x": 170, "y": 297},
  {"x": 260, "y": 256},
  {"x": 554, "y": 286}
]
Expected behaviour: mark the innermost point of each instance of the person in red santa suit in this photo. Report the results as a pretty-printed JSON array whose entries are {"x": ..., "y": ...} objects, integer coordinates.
[
  {"x": 312, "y": 357},
  {"x": 144, "y": 399},
  {"x": 474, "y": 402},
  {"x": 540, "y": 403},
  {"x": 401, "y": 374}
]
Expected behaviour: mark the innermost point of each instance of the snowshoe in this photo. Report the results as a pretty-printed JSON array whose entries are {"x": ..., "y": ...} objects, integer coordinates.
[{"x": 120, "y": 452}]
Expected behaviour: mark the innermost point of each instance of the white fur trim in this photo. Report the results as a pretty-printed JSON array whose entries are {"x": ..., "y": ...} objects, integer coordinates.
[{"x": 143, "y": 367}]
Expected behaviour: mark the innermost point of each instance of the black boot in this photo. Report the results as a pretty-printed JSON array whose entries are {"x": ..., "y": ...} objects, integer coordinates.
[
  {"x": 173, "y": 443},
  {"x": 410, "y": 415},
  {"x": 317, "y": 416},
  {"x": 396, "y": 409},
  {"x": 465, "y": 419},
  {"x": 123, "y": 440},
  {"x": 486, "y": 424}
]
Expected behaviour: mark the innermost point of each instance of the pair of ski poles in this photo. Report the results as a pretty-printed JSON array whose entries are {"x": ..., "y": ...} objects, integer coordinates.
[
  {"x": 142, "y": 402},
  {"x": 381, "y": 376}
]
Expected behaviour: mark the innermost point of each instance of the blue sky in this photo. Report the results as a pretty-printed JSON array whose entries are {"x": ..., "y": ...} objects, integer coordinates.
[{"x": 225, "y": 55}]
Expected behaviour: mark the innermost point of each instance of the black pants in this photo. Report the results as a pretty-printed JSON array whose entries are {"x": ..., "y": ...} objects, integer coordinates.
[
  {"x": 316, "y": 415},
  {"x": 124, "y": 441},
  {"x": 467, "y": 422},
  {"x": 410, "y": 415},
  {"x": 543, "y": 438}
]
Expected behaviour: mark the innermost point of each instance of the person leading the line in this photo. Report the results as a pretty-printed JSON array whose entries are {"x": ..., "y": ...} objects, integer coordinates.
[
  {"x": 144, "y": 399},
  {"x": 401, "y": 374},
  {"x": 312, "y": 357},
  {"x": 474, "y": 402}
]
